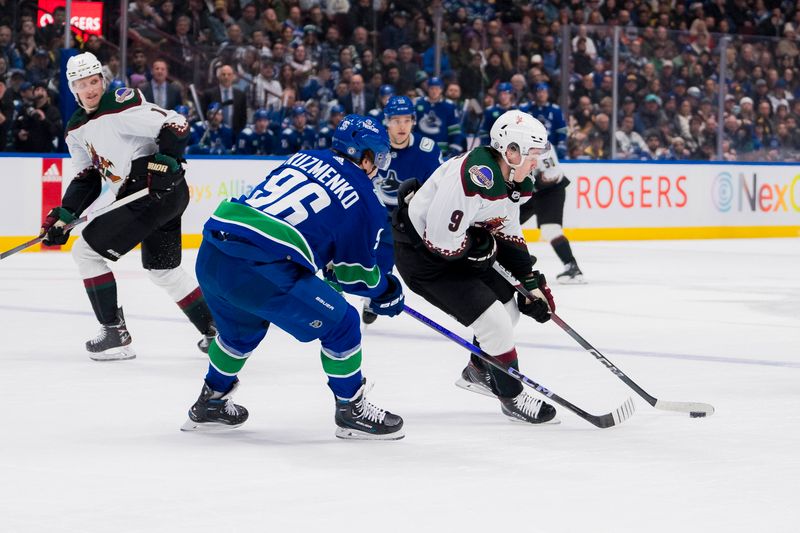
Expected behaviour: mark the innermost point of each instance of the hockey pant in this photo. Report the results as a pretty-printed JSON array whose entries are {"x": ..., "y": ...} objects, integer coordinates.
[{"x": 246, "y": 296}]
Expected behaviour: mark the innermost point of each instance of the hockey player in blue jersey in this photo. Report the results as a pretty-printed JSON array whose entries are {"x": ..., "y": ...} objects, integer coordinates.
[
  {"x": 257, "y": 139},
  {"x": 551, "y": 116},
  {"x": 437, "y": 119},
  {"x": 325, "y": 134},
  {"x": 412, "y": 157},
  {"x": 384, "y": 93},
  {"x": 257, "y": 265},
  {"x": 217, "y": 139},
  {"x": 298, "y": 136},
  {"x": 505, "y": 101}
]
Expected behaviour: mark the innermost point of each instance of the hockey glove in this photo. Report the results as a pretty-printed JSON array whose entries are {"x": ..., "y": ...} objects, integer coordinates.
[
  {"x": 543, "y": 304},
  {"x": 390, "y": 303},
  {"x": 53, "y": 227},
  {"x": 482, "y": 250},
  {"x": 163, "y": 173}
]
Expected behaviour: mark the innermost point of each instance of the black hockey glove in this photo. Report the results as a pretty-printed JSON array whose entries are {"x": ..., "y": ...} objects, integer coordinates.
[
  {"x": 53, "y": 227},
  {"x": 390, "y": 303},
  {"x": 482, "y": 251},
  {"x": 163, "y": 173},
  {"x": 543, "y": 304}
]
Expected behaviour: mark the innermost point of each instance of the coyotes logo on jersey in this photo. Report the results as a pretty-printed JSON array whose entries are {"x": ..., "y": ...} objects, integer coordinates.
[
  {"x": 493, "y": 225},
  {"x": 102, "y": 164}
]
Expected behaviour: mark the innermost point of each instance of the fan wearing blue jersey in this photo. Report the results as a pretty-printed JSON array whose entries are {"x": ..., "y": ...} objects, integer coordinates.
[
  {"x": 412, "y": 157},
  {"x": 257, "y": 265}
]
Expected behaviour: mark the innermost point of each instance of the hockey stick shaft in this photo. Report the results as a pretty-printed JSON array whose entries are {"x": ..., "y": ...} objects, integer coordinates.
[
  {"x": 621, "y": 414},
  {"x": 103, "y": 210},
  {"x": 684, "y": 407}
]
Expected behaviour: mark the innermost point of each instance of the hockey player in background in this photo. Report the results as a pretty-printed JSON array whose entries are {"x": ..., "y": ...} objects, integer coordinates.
[
  {"x": 133, "y": 145},
  {"x": 449, "y": 233},
  {"x": 505, "y": 101},
  {"x": 213, "y": 137},
  {"x": 412, "y": 157},
  {"x": 257, "y": 266},
  {"x": 551, "y": 116},
  {"x": 384, "y": 94},
  {"x": 437, "y": 119},
  {"x": 547, "y": 203},
  {"x": 325, "y": 134},
  {"x": 257, "y": 139},
  {"x": 298, "y": 135}
]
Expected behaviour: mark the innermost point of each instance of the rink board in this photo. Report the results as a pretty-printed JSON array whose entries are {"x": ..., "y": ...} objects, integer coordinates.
[{"x": 607, "y": 200}]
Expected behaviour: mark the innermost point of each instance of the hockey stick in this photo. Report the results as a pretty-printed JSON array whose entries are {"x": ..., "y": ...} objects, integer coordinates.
[
  {"x": 615, "y": 418},
  {"x": 102, "y": 211},
  {"x": 695, "y": 409}
]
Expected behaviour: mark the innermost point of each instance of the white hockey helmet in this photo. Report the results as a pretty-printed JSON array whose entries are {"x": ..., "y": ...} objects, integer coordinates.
[
  {"x": 517, "y": 128},
  {"x": 82, "y": 66}
]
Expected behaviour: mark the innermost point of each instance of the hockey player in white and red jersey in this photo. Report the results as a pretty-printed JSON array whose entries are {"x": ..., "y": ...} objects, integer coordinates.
[
  {"x": 450, "y": 231},
  {"x": 120, "y": 138}
]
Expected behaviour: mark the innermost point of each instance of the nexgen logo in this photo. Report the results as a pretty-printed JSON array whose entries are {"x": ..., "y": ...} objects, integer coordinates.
[{"x": 745, "y": 193}]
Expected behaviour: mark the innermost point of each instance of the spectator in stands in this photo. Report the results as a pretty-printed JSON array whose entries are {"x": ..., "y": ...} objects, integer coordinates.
[
  {"x": 38, "y": 123},
  {"x": 6, "y": 114},
  {"x": 396, "y": 34},
  {"x": 357, "y": 100},
  {"x": 232, "y": 100},
  {"x": 629, "y": 143},
  {"x": 159, "y": 90},
  {"x": 8, "y": 50}
]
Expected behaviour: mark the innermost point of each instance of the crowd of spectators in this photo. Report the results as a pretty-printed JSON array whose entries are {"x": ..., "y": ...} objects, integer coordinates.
[{"x": 278, "y": 55}]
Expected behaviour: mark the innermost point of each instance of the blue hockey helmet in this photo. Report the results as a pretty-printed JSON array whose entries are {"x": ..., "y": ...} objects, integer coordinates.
[
  {"x": 387, "y": 90},
  {"x": 542, "y": 86},
  {"x": 337, "y": 110},
  {"x": 356, "y": 134},
  {"x": 435, "y": 82},
  {"x": 182, "y": 110},
  {"x": 399, "y": 105},
  {"x": 298, "y": 110},
  {"x": 505, "y": 87},
  {"x": 260, "y": 114},
  {"x": 213, "y": 107}
]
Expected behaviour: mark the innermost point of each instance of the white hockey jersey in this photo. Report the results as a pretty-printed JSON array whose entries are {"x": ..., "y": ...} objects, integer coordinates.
[
  {"x": 467, "y": 191},
  {"x": 123, "y": 128}
]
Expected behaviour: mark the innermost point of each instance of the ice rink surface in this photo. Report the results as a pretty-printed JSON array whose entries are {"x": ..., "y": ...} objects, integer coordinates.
[{"x": 95, "y": 447}]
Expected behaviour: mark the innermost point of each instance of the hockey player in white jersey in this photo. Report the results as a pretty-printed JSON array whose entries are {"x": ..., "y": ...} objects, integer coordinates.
[
  {"x": 120, "y": 138},
  {"x": 450, "y": 232}
]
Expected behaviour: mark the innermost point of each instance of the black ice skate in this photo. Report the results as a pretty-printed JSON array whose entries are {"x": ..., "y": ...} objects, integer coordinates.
[
  {"x": 526, "y": 408},
  {"x": 367, "y": 315},
  {"x": 572, "y": 275},
  {"x": 113, "y": 341},
  {"x": 359, "y": 419},
  {"x": 214, "y": 411},
  {"x": 475, "y": 379},
  {"x": 205, "y": 342}
]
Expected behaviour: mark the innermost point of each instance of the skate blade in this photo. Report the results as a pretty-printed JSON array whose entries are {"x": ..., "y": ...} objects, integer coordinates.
[
  {"x": 555, "y": 421},
  {"x": 114, "y": 354},
  {"x": 354, "y": 434},
  {"x": 473, "y": 387},
  {"x": 577, "y": 280},
  {"x": 207, "y": 427}
]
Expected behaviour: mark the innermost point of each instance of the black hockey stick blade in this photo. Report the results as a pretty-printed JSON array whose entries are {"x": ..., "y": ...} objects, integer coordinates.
[{"x": 614, "y": 418}]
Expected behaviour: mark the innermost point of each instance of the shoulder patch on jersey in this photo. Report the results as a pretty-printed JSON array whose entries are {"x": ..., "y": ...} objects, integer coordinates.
[
  {"x": 426, "y": 144},
  {"x": 123, "y": 94},
  {"x": 247, "y": 131},
  {"x": 481, "y": 176}
]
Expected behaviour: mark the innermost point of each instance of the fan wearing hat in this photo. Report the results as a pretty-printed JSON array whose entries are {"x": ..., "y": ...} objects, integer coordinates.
[
  {"x": 38, "y": 123},
  {"x": 298, "y": 135}
]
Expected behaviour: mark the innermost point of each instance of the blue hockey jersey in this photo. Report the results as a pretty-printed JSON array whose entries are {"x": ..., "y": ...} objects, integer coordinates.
[
  {"x": 251, "y": 142},
  {"x": 417, "y": 160},
  {"x": 439, "y": 121},
  {"x": 553, "y": 119},
  {"x": 292, "y": 140},
  {"x": 490, "y": 116},
  {"x": 325, "y": 136},
  {"x": 317, "y": 209},
  {"x": 217, "y": 141}
]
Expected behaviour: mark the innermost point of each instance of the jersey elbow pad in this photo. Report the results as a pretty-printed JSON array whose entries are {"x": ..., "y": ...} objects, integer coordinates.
[{"x": 172, "y": 139}]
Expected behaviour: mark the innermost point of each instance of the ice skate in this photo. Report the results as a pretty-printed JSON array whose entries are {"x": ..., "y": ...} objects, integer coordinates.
[
  {"x": 215, "y": 412},
  {"x": 367, "y": 315},
  {"x": 112, "y": 343},
  {"x": 205, "y": 342},
  {"x": 360, "y": 420},
  {"x": 476, "y": 380},
  {"x": 526, "y": 408},
  {"x": 572, "y": 275}
]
